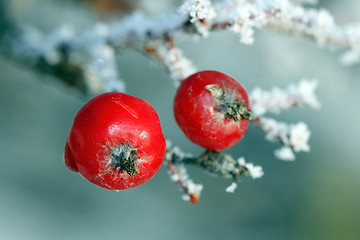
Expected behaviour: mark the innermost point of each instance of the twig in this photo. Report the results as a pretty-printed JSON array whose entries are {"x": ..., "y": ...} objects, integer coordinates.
[
  {"x": 86, "y": 61},
  {"x": 212, "y": 162}
]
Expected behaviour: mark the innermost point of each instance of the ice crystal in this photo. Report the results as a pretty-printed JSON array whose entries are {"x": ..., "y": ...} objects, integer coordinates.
[
  {"x": 231, "y": 188},
  {"x": 255, "y": 171}
]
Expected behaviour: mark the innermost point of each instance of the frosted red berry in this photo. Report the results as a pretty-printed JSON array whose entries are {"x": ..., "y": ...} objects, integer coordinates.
[
  {"x": 116, "y": 142},
  {"x": 212, "y": 109}
]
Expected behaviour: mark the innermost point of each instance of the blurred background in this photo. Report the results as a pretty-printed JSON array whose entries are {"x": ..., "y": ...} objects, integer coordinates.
[{"x": 315, "y": 197}]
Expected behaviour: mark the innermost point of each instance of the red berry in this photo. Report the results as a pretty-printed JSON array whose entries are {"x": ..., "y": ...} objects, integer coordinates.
[
  {"x": 115, "y": 142},
  {"x": 212, "y": 109}
]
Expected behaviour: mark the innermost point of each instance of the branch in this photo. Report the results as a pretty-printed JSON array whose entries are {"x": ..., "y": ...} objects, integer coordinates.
[
  {"x": 172, "y": 59},
  {"x": 91, "y": 71},
  {"x": 277, "y": 100},
  {"x": 212, "y": 162},
  {"x": 87, "y": 61},
  {"x": 191, "y": 190},
  {"x": 293, "y": 137}
]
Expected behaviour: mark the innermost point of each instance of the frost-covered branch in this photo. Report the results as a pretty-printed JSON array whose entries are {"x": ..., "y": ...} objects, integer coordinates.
[
  {"x": 276, "y": 100},
  {"x": 212, "y": 162},
  {"x": 172, "y": 59},
  {"x": 86, "y": 61},
  {"x": 293, "y": 137},
  {"x": 283, "y": 16},
  {"x": 91, "y": 70},
  {"x": 319, "y": 26},
  {"x": 179, "y": 174}
]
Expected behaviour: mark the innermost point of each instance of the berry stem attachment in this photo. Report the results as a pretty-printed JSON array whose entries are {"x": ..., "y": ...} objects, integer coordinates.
[
  {"x": 218, "y": 164},
  {"x": 228, "y": 104},
  {"x": 213, "y": 162}
]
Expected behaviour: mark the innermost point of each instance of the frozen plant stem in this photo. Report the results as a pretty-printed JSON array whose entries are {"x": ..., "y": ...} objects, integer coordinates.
[
  {"x": 212, "y": 162},
  {"x": 215, "y": 163},
  {"x": 193, "y": 197},
  {"x": 293, "y": 137}
]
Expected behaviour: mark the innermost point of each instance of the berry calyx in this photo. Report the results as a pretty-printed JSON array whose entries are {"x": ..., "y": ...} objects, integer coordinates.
[
  {"x": 227, "y": 103},
  {"x": 123, "y": 158}
]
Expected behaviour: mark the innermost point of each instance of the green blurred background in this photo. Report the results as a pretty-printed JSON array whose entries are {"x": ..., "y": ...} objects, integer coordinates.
[{"x": 315, "y": 197}]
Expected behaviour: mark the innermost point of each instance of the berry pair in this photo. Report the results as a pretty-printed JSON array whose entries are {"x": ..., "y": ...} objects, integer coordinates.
[{"x": 116, "y": 141}]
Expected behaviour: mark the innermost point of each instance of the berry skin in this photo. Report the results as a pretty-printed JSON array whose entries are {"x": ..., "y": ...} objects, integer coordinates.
[
  {"x": 115, "y": 142},
  {"x": 212, "y": 109}
]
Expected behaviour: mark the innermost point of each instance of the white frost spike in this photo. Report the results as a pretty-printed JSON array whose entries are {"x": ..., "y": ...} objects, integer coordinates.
[
  {"x": 193, "y": 187},
  {"x": 174, "y": 177},
  {"x": 254, "y": 171},
  {"x": 285, "y": 153},
  {"x": 231, "y": 188},
  {"x": 182, "y": 175},
  {"x": 244, "y": 18},
  {"x": 294, "y": 137},
  {"x": 185, "y": 197},
  {"x": 306, "y": 92},
  {"x": 198, "y": 9},
  {"x": 275, "y": 131},
  {"x": 247, "y": 36},
  {"x": 178, "y": 65},
  {"x": 104, "y": 71},
  {"x": 299, "y": 137},
  {"x": 276, "y": 100},
  {"x": 350, "y": 57},
  {"x": 177, "y": 151}
]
